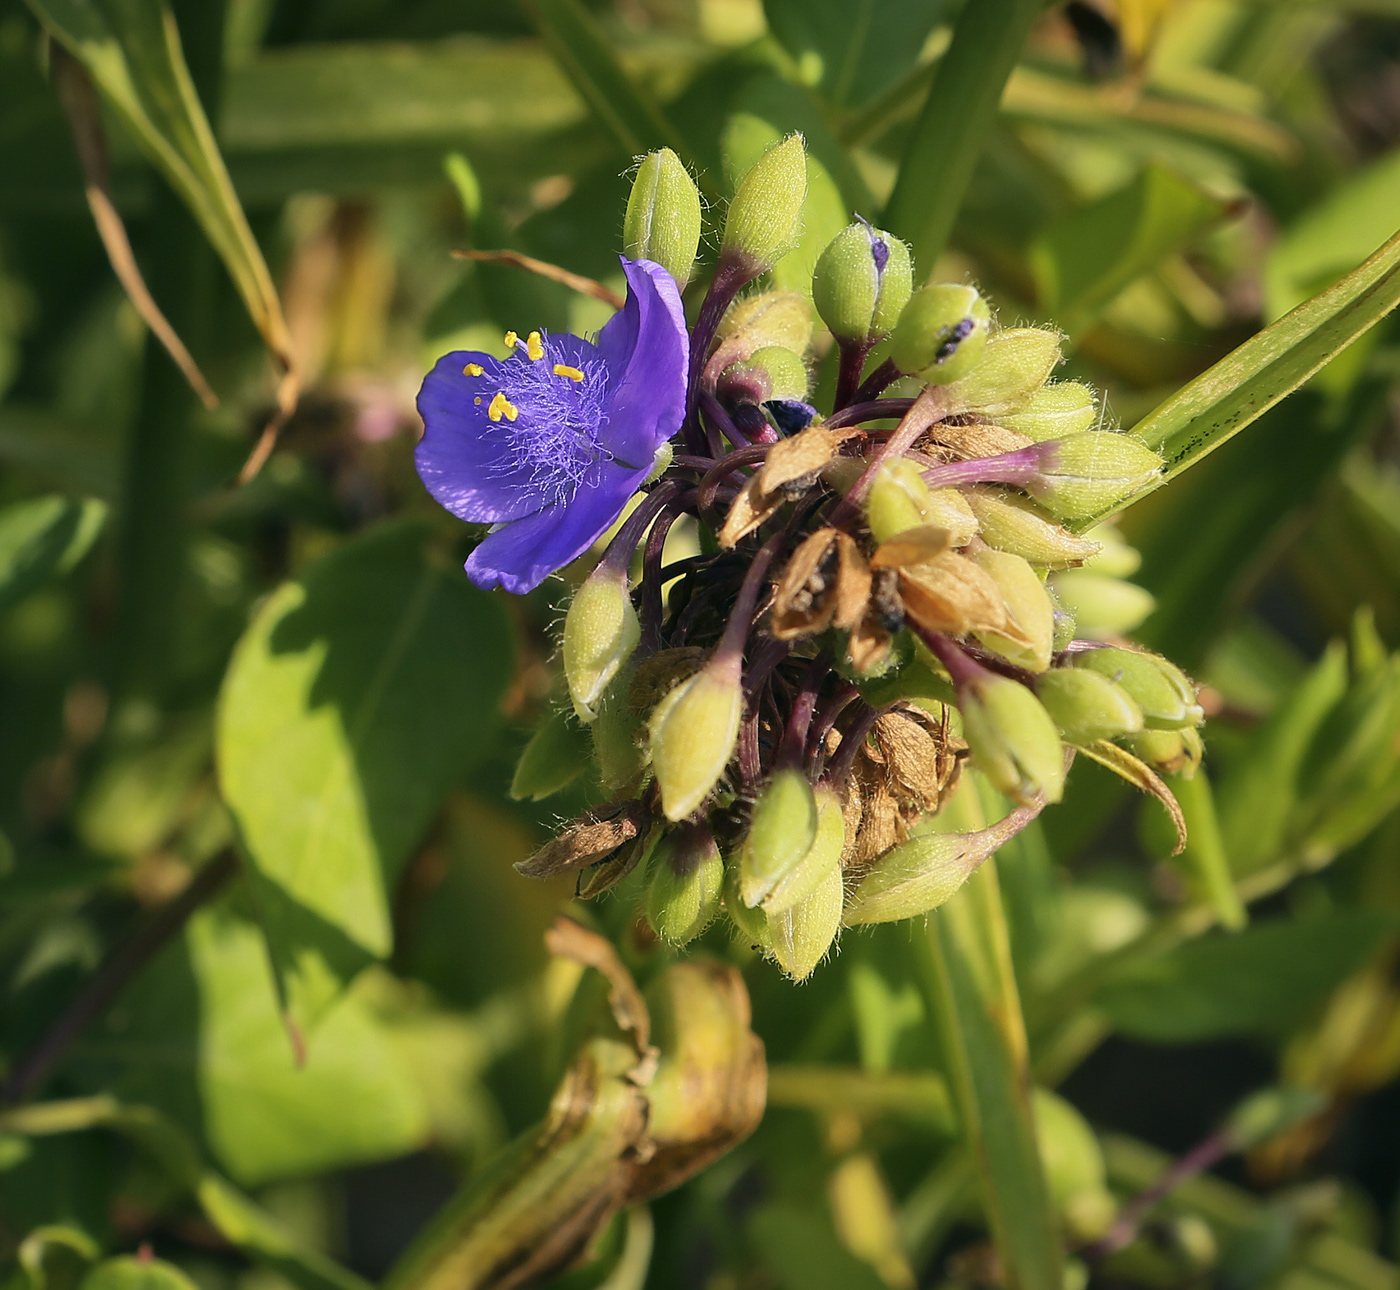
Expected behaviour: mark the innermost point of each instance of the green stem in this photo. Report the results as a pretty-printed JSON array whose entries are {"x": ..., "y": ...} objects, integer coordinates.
[
  {"x": 956, "y": 118},
  {"x": 151, "y": 550}
]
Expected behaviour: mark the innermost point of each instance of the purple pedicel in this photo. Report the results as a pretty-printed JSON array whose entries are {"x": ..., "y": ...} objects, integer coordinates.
[{"x": 553, "y": 477}]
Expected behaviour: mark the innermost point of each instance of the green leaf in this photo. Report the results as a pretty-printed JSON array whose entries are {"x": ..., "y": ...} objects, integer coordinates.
[
  {"x": 801, "y": 1251},
  {"x": 44, "y": 537},
  {"x": 962, "y": 962},
  {"x": 852, "y": 51},
  {"x": 953, "y": 124},
  {"x": 1225, "y": 398},
  {"x": 131, "y": 49},
  {"x": 1333, "y": 236},
  {"x": 556, "y": 755},
  {"x": 357, "y": 698},
  {"x": 1261, "y": 981},
  {"x": 129, "y": 1272},
  {"x": 624, "y": 109},
  {"x": 1084, "y": 259}
]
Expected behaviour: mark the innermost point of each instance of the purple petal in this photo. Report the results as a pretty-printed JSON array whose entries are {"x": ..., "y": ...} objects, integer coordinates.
[
  {"x": 647, "y": 350},
  {"x": 525, "y": 552},
  {"x": 465, "y": 459}
]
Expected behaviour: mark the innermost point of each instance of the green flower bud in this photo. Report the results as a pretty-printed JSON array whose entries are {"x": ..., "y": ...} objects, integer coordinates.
[
  {"x": 781, "y": 318},
  {"x": 1086, "y": 705},
  {"x": 916, "y": 877},
  {"x": 1054, "y": 411},
  {"x": 861, "y": 283},
  {"x": 782, "y": 829},
  {"x": 1160, "y": 688},
  {"x": 663, "y": 216},
  {"x": 898, "y": 500},
  {"x": 1028, "y": 606},
  {"x": 554, "y": 758},
  {"x": 1104, "y": 607},
  {"x": 799, "y": 937},
  {"x": 600, "y": 632},
  {"x": 1014, "y": 365},
  {"x": 1115, "y": 559},
  {"x": 751, "y": 924},
  {"x": 1074, "y": 1167},
  {"x": 1169, "y": 752},
  {"x": 765, "y": 217},
  {"x": 616, "y": 732},
  {"x": 948, "y": 509},
  {"x": 1012, "y": 523},
  {"x": 768, "y": 373},
  {"x": 692, "y": 733},
  {"x": 1012, "y": 738},
  {"x": 1086, "y": 473},
  {"x": 687, "y": 876},
  {"x": 942, "y": 334},
  {"x": 822, "y": 857}
]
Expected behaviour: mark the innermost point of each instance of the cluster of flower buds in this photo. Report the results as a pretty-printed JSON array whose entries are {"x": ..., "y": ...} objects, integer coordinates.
[{"x": 885, "y": 593}]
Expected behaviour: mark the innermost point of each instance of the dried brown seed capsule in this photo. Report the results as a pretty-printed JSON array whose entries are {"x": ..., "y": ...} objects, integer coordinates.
[
  {"x": 826, "y": 584},
  {"x": 977, "y": 440},
  {"x": 951, "y": 594},
  {"x": 590, "y": 838}
]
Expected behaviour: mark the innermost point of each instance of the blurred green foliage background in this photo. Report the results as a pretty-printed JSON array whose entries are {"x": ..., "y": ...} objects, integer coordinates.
[{"x": 283, "y": 1080}]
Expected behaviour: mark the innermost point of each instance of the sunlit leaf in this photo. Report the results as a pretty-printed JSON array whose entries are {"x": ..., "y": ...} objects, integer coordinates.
[{"x": 44, "y": 537}]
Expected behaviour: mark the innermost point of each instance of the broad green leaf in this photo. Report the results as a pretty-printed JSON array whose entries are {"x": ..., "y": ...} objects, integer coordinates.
[
  {"x": 127, "y": 1272},
  {"x": 44, "y": 537},
  {"x": 623, "y": 108},
  {"x": 962, "y": 962},
  {"x": 1259, "y": 793},
  {"x": 953, "y": 124},
  {"x": 131, "y": 49},
  {"x": 1220, "y": 402},
  {"x": 852, "y": 51},
  {"x": 1260, "y": 981},
  {"x": 1083, "y": 260},
  {"x": 801, "y": 1252},
  {"x": 245, "y": 1225},
  {"x": 359, "y": 695},
  {"x": 1333, "y": 236}
]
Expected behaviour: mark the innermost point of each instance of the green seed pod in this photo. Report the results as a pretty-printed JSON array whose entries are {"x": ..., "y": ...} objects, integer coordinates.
[
  {"x": 782, "y": 829},
  {"x": 1014, "y": 365},
  {"x": 554, "y": 758},
  {"x": 861, "y": 283},
  {"x": 822, "y": 856},
  {"x": 1013, "y": 741},
  {"x": 948, "y": 509},
  {"x": 898, "y": 500},
  {"x": 768, "y": 373},
  {"x": 692, "y": 733},
  {"x": 801, "y": 936},
  {"x": 1087, "y": 473},
  {"x": 942, "y": 334},
  {"x": 687, "y": 876},
  {"x": 765, "y": 217},
  {"x": 751, "y": 924},
  {"x": 1012, "y": 523},
  {"x": 1160, "y": 688},
  {"x": 1169, "y": 752},
  {"x": 600, "y": 632},
  {"x": 1028, "y": 605},
  {"x": 1054, "y": 411},
  {"x": 1086, "y": 705},
  {"x": 915, "y": 877},
  {"x": 1104, "y": 607},
  {"x": 663, "y": 216}
]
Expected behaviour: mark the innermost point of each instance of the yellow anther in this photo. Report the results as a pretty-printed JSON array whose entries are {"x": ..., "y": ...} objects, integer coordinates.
[
  {"x": 477, "y": 400},
  {"x": 571, "y": 372},
  {"x": 511, "y": 338},
  {"x": 502, "y": 407},
  {"x": 473, "y": 369},
  {"x": 534, "y": 347}
]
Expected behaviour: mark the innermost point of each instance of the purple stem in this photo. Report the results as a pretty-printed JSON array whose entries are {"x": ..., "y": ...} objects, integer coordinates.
[
  {"x": 1202, "y": 1156},
  {"x": 800, "y": 721},
  {"x": 852, "y": 740},
  {"x": 723, "y": 468},
  {"x": 651, "y": 577},
  {"x": 884, "y": 375},
  {"x": 878, "y": 410},
  {"x": 732, "y": 273},
  {"x": 963, "y": 669},
  {"x": 729, "y": 653},
  {"x": 923, "y": 412},
  {"x": 852, "y": 363},
  {"x": 619, "y": 553},
  {"x": 1019, "y": 467},
  {"x": 751, "y": 421},
  {"x": 826, "y": 718},
  {"x": 713, "y": 411}
]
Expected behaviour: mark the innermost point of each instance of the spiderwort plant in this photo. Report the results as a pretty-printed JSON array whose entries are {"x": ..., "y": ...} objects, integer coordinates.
[{"x": 873, "y": 606}]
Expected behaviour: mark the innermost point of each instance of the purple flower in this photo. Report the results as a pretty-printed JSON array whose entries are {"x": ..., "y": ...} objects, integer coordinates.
[{"x": 549, "y": 444}]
